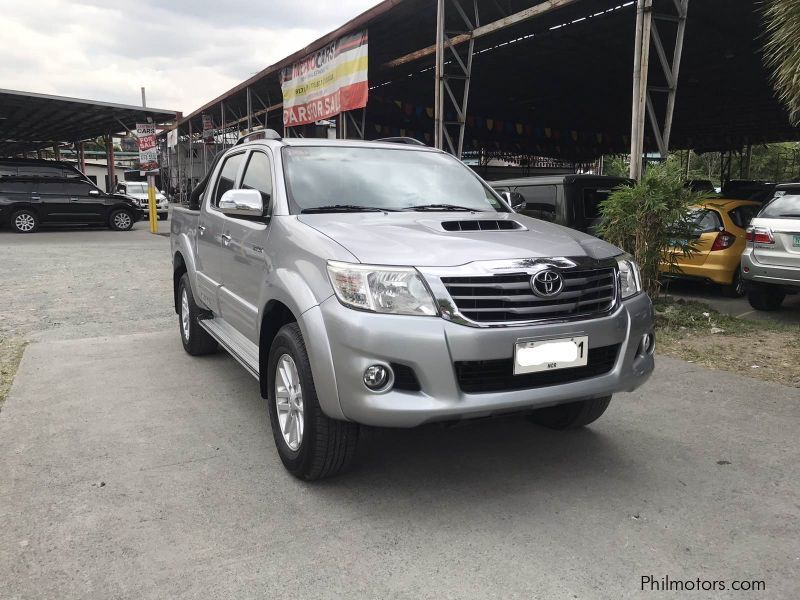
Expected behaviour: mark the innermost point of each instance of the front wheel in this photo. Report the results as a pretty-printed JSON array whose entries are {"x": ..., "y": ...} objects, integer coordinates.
[
  {"x": 162, "y": 217},
  {"x": 572, "y": 415},
  {"x": 196, "y": 340},
  {"x": 311, "y": 445},
  {"x": 121, "y": 220},
  {"x": 25, "y": 221},
  {"x": 765, "y": 297}
]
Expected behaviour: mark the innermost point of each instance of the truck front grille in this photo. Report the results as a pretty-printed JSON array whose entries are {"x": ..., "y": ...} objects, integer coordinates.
[
  {"x": 480, "y": 376},
  {"x": 509, "y": 298}
]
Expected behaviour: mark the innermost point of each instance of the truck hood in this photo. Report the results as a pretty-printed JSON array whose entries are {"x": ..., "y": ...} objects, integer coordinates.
[{"x": 421, "y": 239}]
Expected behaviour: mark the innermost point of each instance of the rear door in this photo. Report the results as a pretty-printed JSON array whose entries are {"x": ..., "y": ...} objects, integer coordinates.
[
  {"x": 53, "y": 198},
  {"x": 212, "y": 240},
  {"x": 782, "y": 217},
  {"x": 244, "y": 263}
]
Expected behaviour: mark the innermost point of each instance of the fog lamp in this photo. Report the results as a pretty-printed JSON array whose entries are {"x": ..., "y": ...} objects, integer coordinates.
[{"x": 376, "y": 377}]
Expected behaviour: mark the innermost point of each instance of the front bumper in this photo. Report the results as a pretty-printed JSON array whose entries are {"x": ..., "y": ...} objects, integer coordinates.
[
  {"x": 781, "y": 275},
  {"x": 344, "y": 342}
]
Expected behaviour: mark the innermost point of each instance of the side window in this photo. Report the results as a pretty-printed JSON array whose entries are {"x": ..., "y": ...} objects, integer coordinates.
[
  {"x": 52, "y": 187},
  {"x": 77, "y": 188},
  {"x": 707, "y": 221},
  {"x": 258, "y": 176},
  {"x": 742, "y": 215},
  {"x": 227, "y": 177},
  {"x": 540, "y": 201}
]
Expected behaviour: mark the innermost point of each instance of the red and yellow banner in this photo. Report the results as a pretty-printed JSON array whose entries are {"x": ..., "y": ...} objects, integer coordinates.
[{"x": 327, "y": 82}]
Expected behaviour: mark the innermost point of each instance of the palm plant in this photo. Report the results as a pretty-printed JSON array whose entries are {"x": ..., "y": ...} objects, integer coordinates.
[{"x": 781, "y": 51}]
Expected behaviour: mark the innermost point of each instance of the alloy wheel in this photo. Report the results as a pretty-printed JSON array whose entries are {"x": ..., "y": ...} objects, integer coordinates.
[
  {"x": 289, "y": 402},
  {"x": 25, "y": 222},
  {"x": 185, "y": 314},
  {"x": 122, "y": 220}
]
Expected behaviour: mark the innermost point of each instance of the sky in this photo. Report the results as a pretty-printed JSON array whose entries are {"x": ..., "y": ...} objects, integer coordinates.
[{"x": 184, "y": 52}]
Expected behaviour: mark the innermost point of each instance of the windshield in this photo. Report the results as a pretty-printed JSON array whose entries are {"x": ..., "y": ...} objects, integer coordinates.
[
  {"x": 136, "y": 188},
  {"x": 346, "y": 178},
  {"x": 783, "y": 206}
]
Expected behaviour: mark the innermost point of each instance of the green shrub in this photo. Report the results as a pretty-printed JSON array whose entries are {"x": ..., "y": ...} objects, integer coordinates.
[{"x": 649, "y": 218}]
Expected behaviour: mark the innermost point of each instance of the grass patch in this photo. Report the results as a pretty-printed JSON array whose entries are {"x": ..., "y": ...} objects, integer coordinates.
[
  {"x": 695, "y": 332},
  {"x": 10, "y": 355}
]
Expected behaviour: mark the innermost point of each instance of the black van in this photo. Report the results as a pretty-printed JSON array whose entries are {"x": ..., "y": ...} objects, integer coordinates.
[
  {"x": 27, "y": 202},
  {"x": 569, "y": 200}
]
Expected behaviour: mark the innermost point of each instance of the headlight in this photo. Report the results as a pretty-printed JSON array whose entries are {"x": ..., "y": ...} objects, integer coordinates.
[
  {"x": 395, "y": 290},
  {"x": 630, "y": 280}
]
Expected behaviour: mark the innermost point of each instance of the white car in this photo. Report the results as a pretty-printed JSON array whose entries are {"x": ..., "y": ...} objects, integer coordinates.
[{"x": 138, "y": 191}]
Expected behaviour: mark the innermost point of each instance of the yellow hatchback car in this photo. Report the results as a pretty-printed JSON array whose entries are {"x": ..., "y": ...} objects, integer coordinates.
[{"x": 720, "y": 228}]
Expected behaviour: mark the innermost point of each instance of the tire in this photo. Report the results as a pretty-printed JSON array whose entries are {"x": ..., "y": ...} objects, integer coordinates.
[
  {"x": 25, "y": 221},
  {"x": 572, "y": 415},
  {"x": 162, "y": 217},
  {"x": 324, "y": 447},
  {"x": 765, "y": 297},
  {"x": 121, "y": 220},
  {"x": 736, "y": 289},
  {"x": 196, "y": 340}
]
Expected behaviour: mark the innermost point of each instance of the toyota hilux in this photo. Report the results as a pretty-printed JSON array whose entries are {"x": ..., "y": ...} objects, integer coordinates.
[{"x": 385, "y": 284}]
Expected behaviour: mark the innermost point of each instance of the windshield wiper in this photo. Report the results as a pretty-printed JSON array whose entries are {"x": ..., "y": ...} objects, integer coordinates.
[
  {"x": 435, "y": 207},
  {"x": 345, "y": 208}
]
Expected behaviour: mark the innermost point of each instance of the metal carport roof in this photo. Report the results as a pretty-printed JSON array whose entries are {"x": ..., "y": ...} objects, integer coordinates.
[
  {"x": 555, "y": 85},
  {"x": 30, "y": 121}
]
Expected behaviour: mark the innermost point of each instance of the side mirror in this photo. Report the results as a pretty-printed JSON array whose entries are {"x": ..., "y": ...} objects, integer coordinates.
[
  {"x": 242, "y": 203},
  {"x": 515, "y": 199}
]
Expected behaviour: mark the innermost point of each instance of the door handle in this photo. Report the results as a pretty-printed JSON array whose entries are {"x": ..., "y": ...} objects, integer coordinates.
[
  {"x": 226, "y": 239},
  {"x": 74, "y": 199},
  {"x": 201, "y": 229},
  {"x": 36, "y": 197}
]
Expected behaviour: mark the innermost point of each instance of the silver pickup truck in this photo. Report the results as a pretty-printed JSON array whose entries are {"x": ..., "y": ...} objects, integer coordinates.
[{"x": 385, "y": 284}]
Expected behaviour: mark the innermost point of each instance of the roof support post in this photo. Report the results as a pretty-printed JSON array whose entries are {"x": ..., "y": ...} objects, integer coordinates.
[
  {"x": 437, "y": 90},
  {"x": 647, "y": 29},
  {"x": 641, "y": 57},
  {"x": 111, "y": 167},
  {"x": 82, "y": 157},
  {"x": 222, "y": 123},
  {"x": 190, "y": 154},
  {"x": 249, "y": 111},
  {"x": 56, "y": 152},
  {"x": 452, "y": 87}
]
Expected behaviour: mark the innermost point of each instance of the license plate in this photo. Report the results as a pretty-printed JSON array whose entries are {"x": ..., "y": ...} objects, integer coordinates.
[
  {"x": 796, "y": 241},
  {"x": 549, "y": 355}
]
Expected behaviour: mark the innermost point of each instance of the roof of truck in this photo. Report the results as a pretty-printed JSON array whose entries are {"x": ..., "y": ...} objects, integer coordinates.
[{"x": 308, "y": 142}]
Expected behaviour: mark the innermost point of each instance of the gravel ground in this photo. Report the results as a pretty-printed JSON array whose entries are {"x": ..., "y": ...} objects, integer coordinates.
[
  {"x": 76, "y": 284},
  {"x": 66, "y": 284}
]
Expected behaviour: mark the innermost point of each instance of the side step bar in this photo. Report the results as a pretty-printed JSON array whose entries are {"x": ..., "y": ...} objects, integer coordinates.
[{"x": 242, "y": 349}]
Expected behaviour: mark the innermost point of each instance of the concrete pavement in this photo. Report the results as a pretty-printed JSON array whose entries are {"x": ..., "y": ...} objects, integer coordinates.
[{"x": 131, "y": 470}]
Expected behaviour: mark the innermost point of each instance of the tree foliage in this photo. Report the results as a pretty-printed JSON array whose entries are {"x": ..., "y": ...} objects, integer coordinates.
[
  {"x": 781, "y": 51},
  {"x": 652, "y": 221}
]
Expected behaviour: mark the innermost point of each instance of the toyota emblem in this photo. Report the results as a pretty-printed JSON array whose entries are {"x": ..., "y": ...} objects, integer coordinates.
[{"x": 547, "y": 284}]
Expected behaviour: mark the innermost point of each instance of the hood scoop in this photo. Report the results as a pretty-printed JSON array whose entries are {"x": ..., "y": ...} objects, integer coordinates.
[{"x": 482, "y": 225}]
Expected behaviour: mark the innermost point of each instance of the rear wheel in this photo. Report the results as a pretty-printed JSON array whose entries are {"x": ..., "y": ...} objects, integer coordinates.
[
  {"x": 736, "y": 288},
  {"x": 311, "y": 445},
  {"x": 765, "y": 297},
  {"x": 572, "y": 415},
  {"x": 24, "y": 221},
  {"x": 121, "y": 220},
  {"x": 196, "y": 340}
]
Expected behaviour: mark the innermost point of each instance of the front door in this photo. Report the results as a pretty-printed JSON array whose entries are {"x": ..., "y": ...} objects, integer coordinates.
[
  {"x": 212, "y": 240},
  {"x": 87, "y": 202},
  {"x": 244, "y": 263}
]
